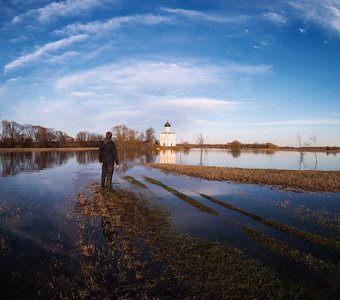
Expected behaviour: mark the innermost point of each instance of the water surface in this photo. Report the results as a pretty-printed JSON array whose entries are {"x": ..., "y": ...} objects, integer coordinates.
[{"x": 39, "y": 240}]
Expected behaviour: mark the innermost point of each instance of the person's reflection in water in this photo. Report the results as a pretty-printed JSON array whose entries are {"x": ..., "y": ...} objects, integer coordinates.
[{"x": 108, "y": 157}]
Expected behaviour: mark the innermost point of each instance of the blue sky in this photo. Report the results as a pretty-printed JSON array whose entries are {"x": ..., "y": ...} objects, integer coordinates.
[{"x": 251, "y": 70}]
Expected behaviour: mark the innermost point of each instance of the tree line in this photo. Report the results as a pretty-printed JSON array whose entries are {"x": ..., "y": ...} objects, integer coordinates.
[{"x": 15, "y": 135}]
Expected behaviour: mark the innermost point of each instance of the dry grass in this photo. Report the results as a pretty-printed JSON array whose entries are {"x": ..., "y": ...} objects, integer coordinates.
[
  {"x": 316, "y": 181},
  {"x": 181, "y": 196},
  {"x": 146, "y": 258},
  {"x": 314, "y": 238},
  {"x": 307, "y": 259}
]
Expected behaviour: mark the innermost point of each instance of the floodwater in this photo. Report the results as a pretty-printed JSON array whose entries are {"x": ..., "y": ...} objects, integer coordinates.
[
  {"x": 37, "y": 190},
  {"x": 290, "y": 160}
]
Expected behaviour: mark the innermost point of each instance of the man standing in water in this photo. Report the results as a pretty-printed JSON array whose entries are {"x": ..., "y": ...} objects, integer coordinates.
[{"x": 107, "y": 156}]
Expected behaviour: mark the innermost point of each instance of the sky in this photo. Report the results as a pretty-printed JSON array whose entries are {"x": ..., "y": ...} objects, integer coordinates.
[{"x": 252, "y": 70}]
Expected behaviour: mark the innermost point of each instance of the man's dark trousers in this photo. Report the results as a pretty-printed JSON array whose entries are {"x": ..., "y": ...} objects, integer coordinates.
[{"x": 107, "y": 171}]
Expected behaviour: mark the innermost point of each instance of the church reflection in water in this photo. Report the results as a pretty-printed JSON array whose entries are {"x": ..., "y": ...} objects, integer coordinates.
[{"x": 167, "y": 156}]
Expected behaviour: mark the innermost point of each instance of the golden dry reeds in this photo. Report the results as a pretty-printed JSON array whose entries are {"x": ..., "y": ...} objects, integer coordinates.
[{"x": 315, "y": 181}]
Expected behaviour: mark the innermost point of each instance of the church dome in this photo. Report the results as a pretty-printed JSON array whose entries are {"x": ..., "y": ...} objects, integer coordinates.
[{"x": 167, "y": 124}]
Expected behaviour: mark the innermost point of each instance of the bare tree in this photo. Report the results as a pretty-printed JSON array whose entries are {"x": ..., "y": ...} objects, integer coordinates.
[
  {"x": 125, "y": 136},
  {"x": 313, "y": 140},
  {"x": 200, "y": 140},
  {"x": 82, "y": 137},
  {"x": 299, "y": 140},
  {"x": 300, "y": 143},
  {"x": 150, "y": 135}
]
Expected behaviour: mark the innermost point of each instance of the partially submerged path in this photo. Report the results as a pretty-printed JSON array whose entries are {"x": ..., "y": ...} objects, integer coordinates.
[{"x": 314, "y": 181}]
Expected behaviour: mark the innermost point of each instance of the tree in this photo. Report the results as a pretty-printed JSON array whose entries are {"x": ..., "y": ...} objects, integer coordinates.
[
  {"x": 235, "y": 145},
  {"x": 299, "y": 140},
  {"x": 125, "y": 136},
  {"x": 200, "y": 141},
  {"x": 313, "y": 140},
  {"x": 150, "y": 135},
  {"x": 82, "y": 137}
]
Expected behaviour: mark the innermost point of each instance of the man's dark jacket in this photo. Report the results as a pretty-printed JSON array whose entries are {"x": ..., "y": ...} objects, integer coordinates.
[{"x": 108, "y": 152}]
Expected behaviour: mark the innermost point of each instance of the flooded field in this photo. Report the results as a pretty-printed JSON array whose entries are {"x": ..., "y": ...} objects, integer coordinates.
[
  {"x": 159, "y": 234},
  {"x": 289, "y": 160}
]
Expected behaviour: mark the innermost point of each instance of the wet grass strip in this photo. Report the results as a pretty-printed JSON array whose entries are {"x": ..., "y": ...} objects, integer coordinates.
[
  {"x": 147, "y": 259},
  {"x": 284, "y": 249},
  {"x": 329, "y": 243},
  {"x": 181, "y": 196},
  {"x": 135, "y": 182}
]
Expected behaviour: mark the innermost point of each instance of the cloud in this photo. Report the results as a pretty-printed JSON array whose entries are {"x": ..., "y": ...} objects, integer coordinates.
[
  {"x": 323, "y": 12},
  {"x": 302, "y": 30},
  {"x": 197, "y": 105},
  {"x": 157, "y": 77},
  {"x": 50, "y": 47},
  {"x": 63, "y": 57},
  {"x": 275, "y": 18},
  {"x": 2, "y": 90},
  {"x": 57, "y": 9},
  {"x": 116, "y": 22},
  {"x": 193, "y": 14},
  {"x": 82, "y": 94},
  {"x": 295, "y": 122}
]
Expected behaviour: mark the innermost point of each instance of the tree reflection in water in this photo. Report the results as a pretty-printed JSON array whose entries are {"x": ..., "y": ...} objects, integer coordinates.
[{"x": 13, "y": 163}]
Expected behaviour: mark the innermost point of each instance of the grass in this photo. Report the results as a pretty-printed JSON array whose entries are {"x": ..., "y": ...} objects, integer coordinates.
[
  {"x": 145, "y": 258},
  {"x": 181, "y": 196},
  {"x": 284, "y": 249},
  {"x": 135, "y": 182},
  {"x": 316, "y": 181},
  {"x": 329, "y": 243}
]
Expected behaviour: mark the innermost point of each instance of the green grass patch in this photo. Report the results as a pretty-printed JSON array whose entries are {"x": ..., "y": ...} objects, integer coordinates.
[
  {"x": 182, "y": 196},
  {"x": 329, "y": 243}
]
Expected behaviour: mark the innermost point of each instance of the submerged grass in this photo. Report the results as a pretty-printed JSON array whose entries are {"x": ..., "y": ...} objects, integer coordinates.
[
  {"x": 182, "y": 196},
  {"x": 284, "y": 249},
  {"x": 329, "y": 243},
  {"x": 266, "y": 241},
  {"x": 145, "y": 258},
  {"x": 135, "y": 182}
]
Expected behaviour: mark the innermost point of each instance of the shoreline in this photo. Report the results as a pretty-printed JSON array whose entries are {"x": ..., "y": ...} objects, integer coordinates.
[{"x": 306, "y": 180}]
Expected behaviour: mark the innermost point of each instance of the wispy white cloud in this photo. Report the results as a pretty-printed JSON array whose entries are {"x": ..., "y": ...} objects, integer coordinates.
[
  {"x": 82, "y": 94},
  {"x": 142, "y": 76},
  {"x": 136, "y": 90},
  {"x": 302, "y": 30},
  {"x": 157, "y": 77},
  {"x": 275, "y": 18},
  {"x": 197, "y": 105},
  {"x": 116, "y": 22},
  {"x": 63, "y": 57},
  {"x": 194, "y": 14},
  {"x": 323, "y": 12},
  {"x": 248, "y": 69},
  {"x": 49, "y": 47},
  {"x": 296, "y": 122},
  {"x": 57, "y": 9}
]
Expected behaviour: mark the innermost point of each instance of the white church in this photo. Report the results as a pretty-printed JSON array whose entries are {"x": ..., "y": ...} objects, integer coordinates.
[{"x": 167, "y": 138}]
